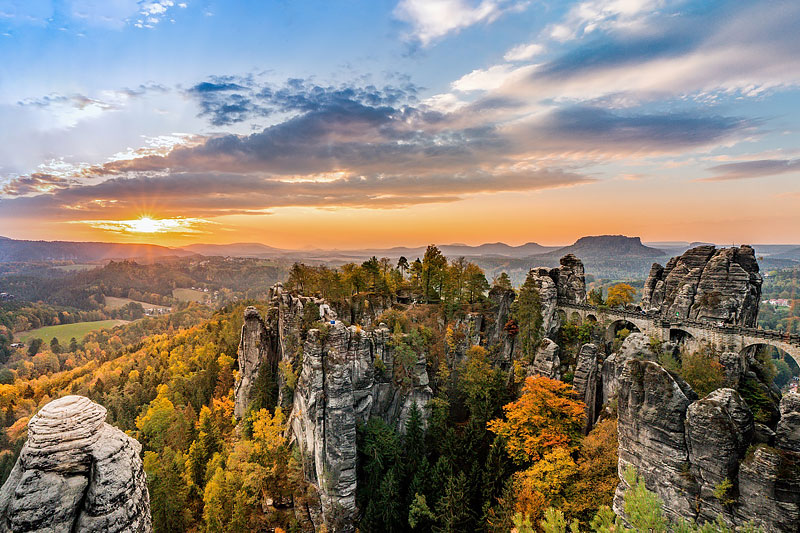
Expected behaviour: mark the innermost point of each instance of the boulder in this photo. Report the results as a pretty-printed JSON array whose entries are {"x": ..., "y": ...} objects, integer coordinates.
[{"x": 76, "y": 473}]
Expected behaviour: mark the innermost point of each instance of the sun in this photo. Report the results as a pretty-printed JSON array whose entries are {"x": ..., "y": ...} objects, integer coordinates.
[{"x": 147, "y": 225}]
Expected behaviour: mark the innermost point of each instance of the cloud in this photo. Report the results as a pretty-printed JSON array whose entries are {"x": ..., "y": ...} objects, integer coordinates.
[
  {"x": 230, "y": 100},
  {"x": 68, "y": 110},
  {"x": 753, "y": 169},
  {"x": 596, "y": 15},
  {"x": 37, "y": 182},
  {"x": 216, "y": 194},
  {"x": 628, "y": 55},
  {"x": 598, "y": 130},
  {"x": 523, "y": 52},
  {"x": 433, "y": 19},
  {"x": 359, "y": 146}
]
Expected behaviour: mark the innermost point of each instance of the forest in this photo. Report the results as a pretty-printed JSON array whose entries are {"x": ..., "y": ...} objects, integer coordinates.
[{"x": 499, "y": 450}]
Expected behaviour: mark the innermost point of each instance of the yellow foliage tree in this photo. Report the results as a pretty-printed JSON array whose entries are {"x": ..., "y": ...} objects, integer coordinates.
[{"x": 620, "y": 294}]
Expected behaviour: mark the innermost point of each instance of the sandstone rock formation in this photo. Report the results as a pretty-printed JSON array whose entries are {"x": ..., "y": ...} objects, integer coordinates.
[
  {"x": 252, "y": 347},
  {"x": 566, "y": 283},
  {"x": 76, "y": 474},
  {"x": 348, "y": 375},
  {"x": 635, "y": 345},
  {"x": 547, "y": 362},
  {"x": 787, "y": 435},
  {"x": 347, "y": 378},
  {"x": 548, "y": 298},
  {"x": 570, "y": 280},
  {"x": 685, "y": 448},
  {"x": 587, "y": 382},
  {"x": 705, "y": 283},
  {"x": 652, "y": 408}
]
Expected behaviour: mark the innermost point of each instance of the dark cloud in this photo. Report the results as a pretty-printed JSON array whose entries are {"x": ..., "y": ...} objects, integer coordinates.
[
  {"x": 214, "y": 194},
  {"x": 581, "y": 128},
  {"x": 753, "y": 169},
  {"x": 34, "y": 183},
  {"x": 230, "y": 100}
]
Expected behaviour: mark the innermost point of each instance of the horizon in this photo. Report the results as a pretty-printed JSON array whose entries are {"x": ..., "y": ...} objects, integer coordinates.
[
  {"x": 317, "y": 126},
  {"x": 310, "y": 248}
]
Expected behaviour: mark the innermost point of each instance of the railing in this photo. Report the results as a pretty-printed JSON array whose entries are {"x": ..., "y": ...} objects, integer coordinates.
[{"x": 743, "y": 331}]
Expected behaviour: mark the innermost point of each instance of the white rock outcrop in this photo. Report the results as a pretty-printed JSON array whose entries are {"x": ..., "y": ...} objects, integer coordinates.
[{"x": 76, "y": 474}]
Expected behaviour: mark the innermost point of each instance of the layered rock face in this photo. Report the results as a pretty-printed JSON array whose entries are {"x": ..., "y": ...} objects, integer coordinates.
[
  {"x": 587, "y": 383},
  {"x": 706, "y": 283},
  {"x": 253, "y": 346},
  {"x": 76, "y": 474},
  {"x": 685, "y": 448},
  {"x": 495, "y": 333},
  {"x": 348, "y": 375},
  {"x": 567, "y": 283},
  {"x": 547, "y": 362},
  {"x": 570, "y": 280}
]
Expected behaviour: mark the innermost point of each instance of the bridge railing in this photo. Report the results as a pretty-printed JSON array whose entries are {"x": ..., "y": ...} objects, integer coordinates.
[{"x": 766, "y": 334}]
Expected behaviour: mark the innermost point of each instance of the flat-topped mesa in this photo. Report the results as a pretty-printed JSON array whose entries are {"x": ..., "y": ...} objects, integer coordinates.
[
  {"x": 76, "y": 473},
  {"x": 706, "y": 283}
]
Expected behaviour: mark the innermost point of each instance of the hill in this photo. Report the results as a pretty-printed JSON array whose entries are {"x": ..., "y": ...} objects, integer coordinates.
[
  {"x": 17, "y": 251},
  {"x": 609, "y": 246}
]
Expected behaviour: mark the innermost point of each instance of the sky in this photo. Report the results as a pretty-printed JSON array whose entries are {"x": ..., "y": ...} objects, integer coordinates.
[{"x": 347, "y": 123}]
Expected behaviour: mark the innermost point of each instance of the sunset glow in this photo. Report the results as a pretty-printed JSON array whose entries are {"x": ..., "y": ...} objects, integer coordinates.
[
  {"x": 146, "y": 225},
  {"x": 402, "y": 123}
]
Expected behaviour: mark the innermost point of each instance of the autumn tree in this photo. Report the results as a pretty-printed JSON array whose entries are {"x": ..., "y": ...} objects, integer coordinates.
[
  {"x": 546, "y": 415},
  {"x": 620, "y": 294}
]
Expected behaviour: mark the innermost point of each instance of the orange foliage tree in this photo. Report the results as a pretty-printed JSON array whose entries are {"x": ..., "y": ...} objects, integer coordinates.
[{"x": 547, "y": 415}]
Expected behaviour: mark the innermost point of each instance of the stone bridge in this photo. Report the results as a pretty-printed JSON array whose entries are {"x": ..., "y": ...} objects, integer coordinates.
[{"x": 692, "y": 332}]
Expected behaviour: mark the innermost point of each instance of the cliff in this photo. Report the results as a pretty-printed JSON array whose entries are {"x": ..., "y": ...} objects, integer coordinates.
[
  {"x": 76, "y": 473},
  {"x": 706, "y": 283},
  {"x": 687, "y": 449},
  {"x": 346, "y": 376}
]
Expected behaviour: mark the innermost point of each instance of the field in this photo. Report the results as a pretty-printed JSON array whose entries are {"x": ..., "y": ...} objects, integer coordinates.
[
  {"x": 75, "y": 268},
  {"x": 65, "y": 332},
  {"x": 112, "y": 302},
  {"x": 189, "y": 295}
]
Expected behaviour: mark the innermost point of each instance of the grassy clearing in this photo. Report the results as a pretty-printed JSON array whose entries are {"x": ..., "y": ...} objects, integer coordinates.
[
  {"x": 189, "y": 295},
  {"x": 65, "y": 332},
  {"x": 75, "y": 268},
  {"x": 112, "y": 302}
]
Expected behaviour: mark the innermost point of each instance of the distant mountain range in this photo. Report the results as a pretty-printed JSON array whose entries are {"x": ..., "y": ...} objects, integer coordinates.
[
  {"x": 614, "y": 256},
  {"x": 17, "y": 251}
]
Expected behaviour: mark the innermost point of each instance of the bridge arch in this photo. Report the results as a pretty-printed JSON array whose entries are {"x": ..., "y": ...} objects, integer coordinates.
[
  {"x": 618, "y": 325},
  {"x": 575, "y": 317},
  {"x": 680, "y": 336},
  {"x": 591, "y": 318}
]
